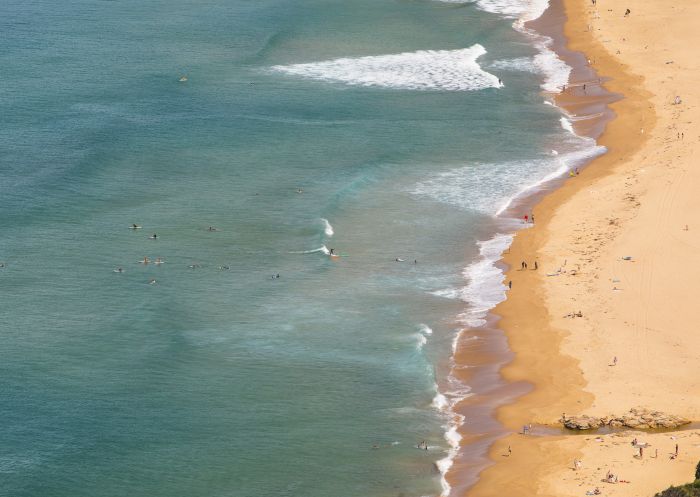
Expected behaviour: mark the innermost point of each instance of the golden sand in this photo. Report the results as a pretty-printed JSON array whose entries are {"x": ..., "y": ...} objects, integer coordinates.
[{"x": 639, "y": 201}]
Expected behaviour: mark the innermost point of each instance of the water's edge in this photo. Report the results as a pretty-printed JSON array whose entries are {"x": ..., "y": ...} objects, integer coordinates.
[{"x": 481, "y": 349}]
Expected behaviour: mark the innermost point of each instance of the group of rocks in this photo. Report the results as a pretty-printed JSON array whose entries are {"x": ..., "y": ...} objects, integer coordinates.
[{"x": 637, "y": 418}]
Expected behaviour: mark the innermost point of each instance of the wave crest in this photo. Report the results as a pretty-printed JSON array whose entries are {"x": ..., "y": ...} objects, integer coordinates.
[{"x": 453, "y": 70}]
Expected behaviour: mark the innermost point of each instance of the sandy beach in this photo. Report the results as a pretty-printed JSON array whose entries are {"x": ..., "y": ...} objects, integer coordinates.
[{"x": 617, "y": 249}]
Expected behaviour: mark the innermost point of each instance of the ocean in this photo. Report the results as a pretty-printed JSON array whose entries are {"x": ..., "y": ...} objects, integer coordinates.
[{"x": 251, "y": 138}]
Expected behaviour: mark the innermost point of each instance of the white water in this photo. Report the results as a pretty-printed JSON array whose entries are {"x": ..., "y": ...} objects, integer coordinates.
[{"x": 455, "y": 70}]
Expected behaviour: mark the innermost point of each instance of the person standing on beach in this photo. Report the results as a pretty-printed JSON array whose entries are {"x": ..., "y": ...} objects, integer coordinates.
[
  {"x": 536, "y": 266},
  {"x": 510, "y": 285}
]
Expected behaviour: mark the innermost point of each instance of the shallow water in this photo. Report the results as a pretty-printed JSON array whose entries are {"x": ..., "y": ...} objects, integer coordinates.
[{"x": 219, "y": 379}]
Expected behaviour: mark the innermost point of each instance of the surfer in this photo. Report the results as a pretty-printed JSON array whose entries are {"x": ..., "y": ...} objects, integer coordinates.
[
  {"x": 153, "y": 237},
  {"x": 152, "y": 281},
  {"x": 158, "y": 261},
  {"x": 134, "y": 226},
  {"x": 211, "y": 228},
  {"x": 119, "y": 270},
  {"x": 145, "y": 260},
  {"x": 332, "y": 252},
  {"x": 399, "y": 260}
]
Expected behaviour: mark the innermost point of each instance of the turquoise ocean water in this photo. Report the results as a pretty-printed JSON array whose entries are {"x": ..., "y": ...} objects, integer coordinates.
[{"x": 375, "y": 127}]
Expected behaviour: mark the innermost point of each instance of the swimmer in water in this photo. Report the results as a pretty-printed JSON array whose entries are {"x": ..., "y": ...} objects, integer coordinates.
[
  {"x": 135, "y": 226},
  {"x": 152, "y": 281},
  {"x": 153, "y": 237},
  {"x": 119, "y": 270},
  {"x": 145, "y": 260},
  {"x": 158, "y": 261},
  {"x": 224, "y": 268}
]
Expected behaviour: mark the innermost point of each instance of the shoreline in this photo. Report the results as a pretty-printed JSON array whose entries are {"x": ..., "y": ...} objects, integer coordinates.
[
  {"x": 482, "y": 352},
  {"x": 558, "y": 357}
]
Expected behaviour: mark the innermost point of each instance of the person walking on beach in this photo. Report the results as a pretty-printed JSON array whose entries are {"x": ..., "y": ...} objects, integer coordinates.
[
  {"x": 676, "y": 453},
  {"x": 510, "y": 452},
  {"x": 536, "y": 266},
  {"x": 510, "y": 285}
]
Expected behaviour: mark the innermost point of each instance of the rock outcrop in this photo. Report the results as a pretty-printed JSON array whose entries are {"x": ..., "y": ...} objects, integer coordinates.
[{"x": 638, "y": 418}]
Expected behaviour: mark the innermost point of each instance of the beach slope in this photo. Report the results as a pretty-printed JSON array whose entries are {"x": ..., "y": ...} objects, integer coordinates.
[{"x": 618, "y": 248}]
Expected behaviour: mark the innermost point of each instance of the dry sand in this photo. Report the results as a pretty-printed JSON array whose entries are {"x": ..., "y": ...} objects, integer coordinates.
[{"x": 633, "y": 202}]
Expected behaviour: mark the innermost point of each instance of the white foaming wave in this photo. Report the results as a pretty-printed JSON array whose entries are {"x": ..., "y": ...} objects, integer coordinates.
[
  {"x": 322, "y": 249},
  {"x": 566, "y": 162},
  {"x": 440, "y": 401},
  {"x": 521, "y": 64},
  {"x": 523, "y": 10},
  {"x": 556, "y": 72},
  {"x": 421, "y": 340},
  {"x": 425, "y": 329},
  {"x": 327, "y": 228},
  {"x": 491, "y": 188},
  {"x": 485, "y": 288},
  {"x": 455, "y": 70},
  {"x": 445, "y": 403},
  {"x": 567, "y": 125},
  {"x": 453, "y": 438}
]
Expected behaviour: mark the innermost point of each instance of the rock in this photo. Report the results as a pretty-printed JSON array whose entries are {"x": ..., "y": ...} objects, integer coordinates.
[
  {"x": 582, "y": 422},
  {"x": 638, "y": 418}
]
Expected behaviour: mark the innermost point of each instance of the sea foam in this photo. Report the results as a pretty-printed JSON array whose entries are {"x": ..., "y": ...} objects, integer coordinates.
[
  {"x": 522, "y": 10},
  {"x": 327, "y": 228},
  {"x": 453, "y": 70},
  {"x": 484, "y": 186}
]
